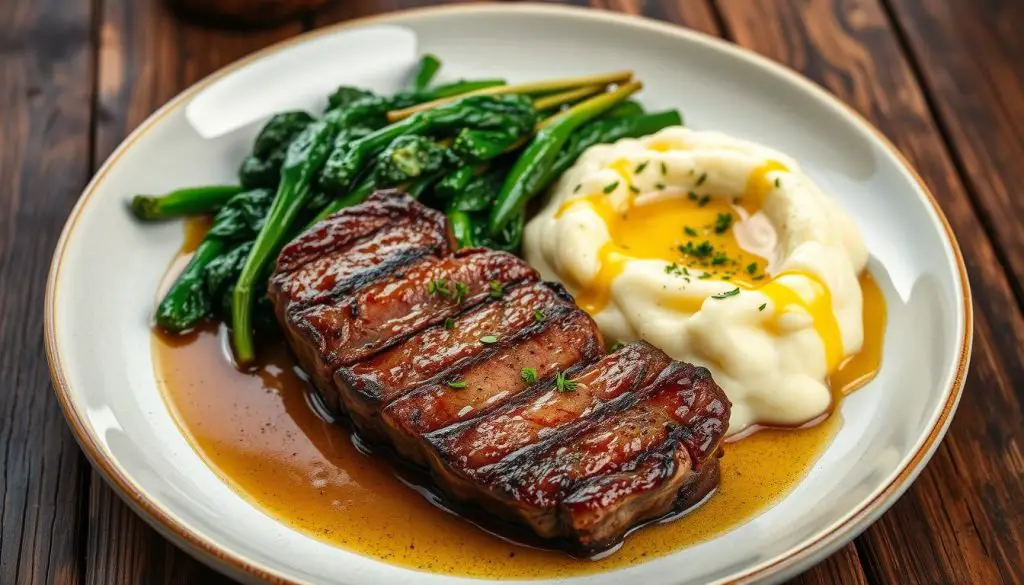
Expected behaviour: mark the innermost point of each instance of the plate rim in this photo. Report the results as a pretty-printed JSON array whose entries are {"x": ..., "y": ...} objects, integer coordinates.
[{"x": 787, "y": 563}]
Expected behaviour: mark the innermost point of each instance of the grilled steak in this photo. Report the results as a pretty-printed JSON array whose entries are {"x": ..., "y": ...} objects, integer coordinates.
[{"x": 469, "y": 366}]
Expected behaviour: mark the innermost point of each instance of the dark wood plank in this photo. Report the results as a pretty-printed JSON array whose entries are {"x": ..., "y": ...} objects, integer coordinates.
[
  {"x": 146, "y": 57},
  {"x": 963, "y": 521},
  {"x": 46, "y": 56},
  {"x": 969, "y": 54}
]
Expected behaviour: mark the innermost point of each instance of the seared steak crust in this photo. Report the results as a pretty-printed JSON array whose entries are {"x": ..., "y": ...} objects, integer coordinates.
[{"x": 496, "y": 382}]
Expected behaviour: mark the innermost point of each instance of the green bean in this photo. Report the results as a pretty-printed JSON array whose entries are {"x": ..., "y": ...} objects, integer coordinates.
[{"x": 305, "y": 156}]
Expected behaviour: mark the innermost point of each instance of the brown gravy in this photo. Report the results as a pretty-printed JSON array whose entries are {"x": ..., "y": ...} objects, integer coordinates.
[{"x": 262, "y": 435}]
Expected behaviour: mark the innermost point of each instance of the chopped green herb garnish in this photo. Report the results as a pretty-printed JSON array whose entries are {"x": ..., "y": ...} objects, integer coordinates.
[
  {"x": 619, "y": 344},
  {"x": 489, "y": 339},
  {"x": 723, "y": 222},
  {"x": 439, "y": 286},
  {"x": 640, "y": 167},
  {"x": 705, "y": 276},
  {"x": 457, "y": 384},
  {"x": 685, "y": 271},
  {"x": 497, "y": 289},
  {"x": 664, "y": 168},
  {"x": 752, "y": 268},
  {"x": 539, "y": 316},
  {"x": 777, "y": 182},
  {"x": 563, "y": 384},
  {"x": 577, "y": 188},
  {"x": 449, "y": 323},
  {"x": 672, "y": 268},
  {"x": 758, "y": 277},
  {"x": 610, "y": 187},
  {"x": 700, "y": 180},
  {"x": 761, "y": 308},
  {"x": 692, "y": 196},
  {"x": 634, "y": 188},
  {"x": 719, "y": 258},
  {"x": 659, "y": 186},
  {"x": 690, "y": 231},
  {"x": 727, "y": 294},
  {"x": 704, "y": 200},
  {"x": 529, "y": 375},
  {"x": 461, "y": 290}
]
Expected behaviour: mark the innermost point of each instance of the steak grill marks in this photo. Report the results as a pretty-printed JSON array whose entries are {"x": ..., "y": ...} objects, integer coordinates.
[{"x": 459, "y": 361}]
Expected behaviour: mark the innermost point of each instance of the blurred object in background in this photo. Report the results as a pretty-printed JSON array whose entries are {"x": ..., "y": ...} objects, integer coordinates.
[{"x": 243, "y": 13}]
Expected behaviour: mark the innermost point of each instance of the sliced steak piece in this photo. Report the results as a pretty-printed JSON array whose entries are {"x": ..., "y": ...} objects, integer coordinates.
[
  {"x": 519, "y": 431},
  {"x": 567, "y": 337},
  {"x": 632, "y": 465},
  {"x": 431, "y": 355},
  {"x": 354, "y": 247},
  {"x": 385, "y": 311}
]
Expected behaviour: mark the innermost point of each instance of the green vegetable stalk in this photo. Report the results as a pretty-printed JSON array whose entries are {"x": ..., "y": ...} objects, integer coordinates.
[
  {"x": 183, "y": 202},
  {"x": 187, "y": 302},
  {"x": 305, "y": 156},
  {"x": 429, "y": 66},
  {"x": 533, "y": 167}
]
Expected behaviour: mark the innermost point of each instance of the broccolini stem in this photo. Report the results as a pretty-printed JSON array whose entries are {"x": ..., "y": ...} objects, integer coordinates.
[
  {"x": 429, "y": 66},
  {"x": 566, "y": 97},
  {"x": 182, "y": 202},
  {"x": 536, "y": 87},
  {"x": 533, "y": 167}
]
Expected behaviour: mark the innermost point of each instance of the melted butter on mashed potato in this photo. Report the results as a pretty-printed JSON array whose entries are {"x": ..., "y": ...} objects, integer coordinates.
[{"x": 719, "y": 251}]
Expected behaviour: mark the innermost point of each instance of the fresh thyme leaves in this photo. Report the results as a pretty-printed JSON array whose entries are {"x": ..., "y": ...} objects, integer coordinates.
[
  {"x": 497, "y": 289},
  {"x": 539, "y": 316},
  {"x": 752, "y": 268},
  {"x": 690, "y": 231},
  {"x": 489, "y": 339},
  {"x": 692, "y": 196},
  {"x": 727, "y": 294},
  {"x": 634, "y": 188},
  {"x": 640, "y": 167},
  {"x": 673, "y": 268},
  {"x": 723, "y": 221},
  {"x": 700, "y": 180},
  {"x": 761, "y": 308},
  {"x": 529, "y": 375},
  {"x": 719, "y": 258},
  {"x": 610, "y": 187},
  {"x": 456, "y": 384},
  {"x": 456, "y": 291},
  {"x": 563, "y": 384},
  {"x": 704, "y": 200}
]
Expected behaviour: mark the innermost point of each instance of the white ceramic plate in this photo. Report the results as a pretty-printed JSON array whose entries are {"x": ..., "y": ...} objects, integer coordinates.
[{"x": 106, "y": 268}]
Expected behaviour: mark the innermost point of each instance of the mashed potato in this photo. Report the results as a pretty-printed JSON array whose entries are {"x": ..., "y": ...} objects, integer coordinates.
[{"x": 719, "y": 251}]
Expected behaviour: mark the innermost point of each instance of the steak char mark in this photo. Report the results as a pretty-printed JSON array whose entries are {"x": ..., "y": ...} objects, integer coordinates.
[{"x": 470, "y": 367}]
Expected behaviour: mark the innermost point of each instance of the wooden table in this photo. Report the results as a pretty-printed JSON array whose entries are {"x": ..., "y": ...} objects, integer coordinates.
[{"x": 944, "y": 79}]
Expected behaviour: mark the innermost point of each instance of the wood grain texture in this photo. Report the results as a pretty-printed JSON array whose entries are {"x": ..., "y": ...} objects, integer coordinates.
[
  {"x": 145, "y": 58},
  {"x": 46, "y": 56},
  {"x": 970, "y": 56},
  {"x": 962, "y": 521}
]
